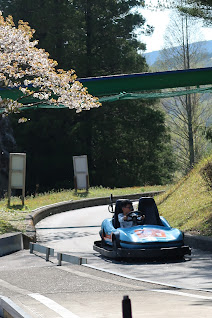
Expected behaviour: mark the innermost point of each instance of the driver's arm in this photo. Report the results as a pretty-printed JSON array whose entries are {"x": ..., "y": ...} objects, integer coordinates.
[
  {"x": 125, "y": 217},
  {"x": 121, "y": 219}
]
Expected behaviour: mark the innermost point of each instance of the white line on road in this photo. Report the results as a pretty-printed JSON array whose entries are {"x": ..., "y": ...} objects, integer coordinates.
[
  {"x": 130, "y": 277},
  {"x": 63, "y": 312},
  {"x": 173, "y": 292},
  {"x": 155, "y": 283}
]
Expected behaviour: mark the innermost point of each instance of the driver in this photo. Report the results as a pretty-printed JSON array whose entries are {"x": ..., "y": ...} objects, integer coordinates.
[{"x": 124, "y": 219}]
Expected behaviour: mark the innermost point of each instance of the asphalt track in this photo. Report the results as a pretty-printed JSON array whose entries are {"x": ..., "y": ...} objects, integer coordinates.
[
  {"x": 75, "y": 231},
  {"x": 44, "y": 289}
]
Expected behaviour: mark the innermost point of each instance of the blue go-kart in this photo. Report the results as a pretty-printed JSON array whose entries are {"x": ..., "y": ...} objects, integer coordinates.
[{"x": 151, "y": 236}]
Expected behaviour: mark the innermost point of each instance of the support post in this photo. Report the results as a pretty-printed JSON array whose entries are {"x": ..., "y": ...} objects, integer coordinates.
[
  {"x": 75, "y": 183},
  {"x": 47, "y": 254},
  {"x": 87, "y": 183},
  {"x": 126, "y": 307},
  {"x": 31, "y": 247},
  {"x": 59, "y": 257}
]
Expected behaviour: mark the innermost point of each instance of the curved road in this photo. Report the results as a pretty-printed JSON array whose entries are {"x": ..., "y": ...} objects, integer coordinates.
[{"x": 75, "y": 231}]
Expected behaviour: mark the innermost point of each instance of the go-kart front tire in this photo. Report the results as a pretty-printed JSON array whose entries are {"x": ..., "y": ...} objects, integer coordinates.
[
  {"x": 116, "y": 242},
  {"x": 102, "y": 235}
]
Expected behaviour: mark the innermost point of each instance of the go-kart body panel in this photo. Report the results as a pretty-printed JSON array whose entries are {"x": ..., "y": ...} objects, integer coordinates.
[
  {"x": 142, "y": 241},
  {"x": 137, "y": 237}
]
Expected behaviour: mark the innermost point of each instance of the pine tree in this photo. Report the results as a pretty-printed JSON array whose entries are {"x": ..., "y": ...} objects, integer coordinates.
[{"x": 85, "y": 35}]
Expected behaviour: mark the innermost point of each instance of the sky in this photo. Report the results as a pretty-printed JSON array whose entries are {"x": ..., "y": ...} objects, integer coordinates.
[{"x": 160, "y": 21}]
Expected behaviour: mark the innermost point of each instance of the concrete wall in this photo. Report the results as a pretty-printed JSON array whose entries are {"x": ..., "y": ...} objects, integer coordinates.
[
  {"x": 9, "y": 309},
  {"x": 10, "y": 243}
]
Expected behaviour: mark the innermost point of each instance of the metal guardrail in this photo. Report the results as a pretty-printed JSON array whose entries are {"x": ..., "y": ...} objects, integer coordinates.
[
  {"x": 41, "y": 249},
  {"x": 60, "y": 256},
  {"x": 70, "y": 259}
]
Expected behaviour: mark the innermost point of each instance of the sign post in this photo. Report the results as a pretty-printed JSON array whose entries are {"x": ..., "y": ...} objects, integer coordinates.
[
  {"x": 81, "y": 180},
  {"x": 17, "y": 174}
]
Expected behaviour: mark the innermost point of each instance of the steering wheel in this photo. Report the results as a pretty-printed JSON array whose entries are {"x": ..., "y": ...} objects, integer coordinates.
[
  {"x": 131, "y": 213},
  {"x": 137, "y": 217}
]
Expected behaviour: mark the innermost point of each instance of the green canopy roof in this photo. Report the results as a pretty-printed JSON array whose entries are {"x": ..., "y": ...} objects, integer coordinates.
[
  {"x": 134, "y": 86},
  {"x": 133, "y": 83}
]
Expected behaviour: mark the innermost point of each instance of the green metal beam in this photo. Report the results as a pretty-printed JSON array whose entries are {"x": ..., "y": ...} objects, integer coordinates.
[{"x": 132, "y": 83}]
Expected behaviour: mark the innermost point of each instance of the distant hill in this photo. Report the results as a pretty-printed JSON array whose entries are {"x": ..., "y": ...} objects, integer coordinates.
[{"x": 152, "y": 56}]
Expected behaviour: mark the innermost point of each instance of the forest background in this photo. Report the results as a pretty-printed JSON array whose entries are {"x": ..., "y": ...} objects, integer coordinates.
[{"x": 127, "y": 142}]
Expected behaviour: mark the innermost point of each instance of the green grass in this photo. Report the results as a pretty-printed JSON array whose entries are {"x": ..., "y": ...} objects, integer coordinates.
[
  {"x": 188, "y": 204},
  {"x": 13, "y": 218}
]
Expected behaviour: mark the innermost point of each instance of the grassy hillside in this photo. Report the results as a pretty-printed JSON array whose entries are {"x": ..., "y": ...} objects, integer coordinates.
[{"x": 188, "y": 204}]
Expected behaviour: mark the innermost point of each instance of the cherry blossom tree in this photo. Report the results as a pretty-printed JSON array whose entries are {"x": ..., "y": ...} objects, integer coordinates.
[{"x": 26, "y": 68}]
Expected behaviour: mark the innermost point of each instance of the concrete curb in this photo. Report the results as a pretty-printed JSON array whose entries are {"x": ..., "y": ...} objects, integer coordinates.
[
  {"x": 9, "y": 309},
  {"x": 10, "y": 243},
  {"x": 203, "y": 243}
]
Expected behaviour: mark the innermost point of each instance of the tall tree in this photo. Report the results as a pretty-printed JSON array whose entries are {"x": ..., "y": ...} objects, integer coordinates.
[
  {"x": 124, "y": 148},
  {"x": 197, "y": 8},
  {"x": 49, "y": 18},
  {"x": 201, "y": 9},
  {"x": 24, "y": 66},
  {"x": 187, "y": 115},
  {"x": 85, "y": 35}
]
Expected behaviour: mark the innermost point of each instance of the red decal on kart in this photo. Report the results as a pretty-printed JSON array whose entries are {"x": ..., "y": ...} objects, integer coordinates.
[
  {"x": 108, "y": 236},
  {"x": 150, "y": 232}
]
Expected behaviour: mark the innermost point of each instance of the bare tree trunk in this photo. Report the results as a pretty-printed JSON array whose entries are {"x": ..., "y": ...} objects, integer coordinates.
[
  {"x": 186, "y": 116},
  {"x": 190, "y": 131},
  {"x": 186, "y": 61},
  {"x": 189, "y": 105}
]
